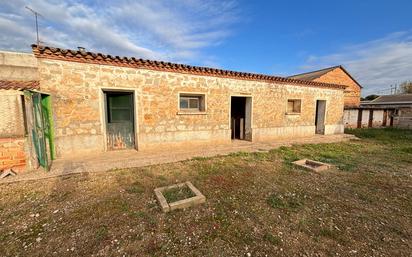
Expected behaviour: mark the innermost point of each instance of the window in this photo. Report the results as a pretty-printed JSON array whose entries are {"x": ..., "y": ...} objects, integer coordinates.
[
  {"x": 294, "y": 106},
  {"x": 119, "y": 107},
  {"x": 192, "y": 102}
]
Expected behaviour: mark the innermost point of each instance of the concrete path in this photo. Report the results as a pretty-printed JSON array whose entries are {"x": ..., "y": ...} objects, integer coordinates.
[{"x": 131, "y": 158}]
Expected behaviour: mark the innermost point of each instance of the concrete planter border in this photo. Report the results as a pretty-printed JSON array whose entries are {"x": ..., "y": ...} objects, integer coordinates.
[
  {"x": 182, "y": 204},
  {"x": 312, "y": 165}
]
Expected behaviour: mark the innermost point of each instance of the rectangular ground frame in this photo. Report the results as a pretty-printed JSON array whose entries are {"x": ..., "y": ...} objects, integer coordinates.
[
  {"x": 312, "y": 165},
  {"x": 182, "y": 204}
]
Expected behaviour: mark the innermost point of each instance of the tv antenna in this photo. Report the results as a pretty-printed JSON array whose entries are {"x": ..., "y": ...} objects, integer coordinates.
[{"x": 36, "y": 14}]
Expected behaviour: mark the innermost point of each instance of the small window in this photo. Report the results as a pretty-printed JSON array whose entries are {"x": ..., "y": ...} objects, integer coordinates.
[
  {"x": 192, "y": 103},
  {"x": 294, "y": 106}
]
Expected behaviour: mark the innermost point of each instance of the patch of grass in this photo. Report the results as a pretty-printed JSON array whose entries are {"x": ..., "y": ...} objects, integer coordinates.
[
  {"x": 288, "y": 154},
  {"x": 259, "y": 156},
  {"x": 135, "y": 188},
  {"x": 339, "y": 154},
  {"x": 239, "y": 154},
  {"x": 146, "y": 217},
  {"x": 256, "y": 202},
  {"x": 288, "y": 201},
  {"x": 177, "y": 194},
  {"x": 102, "y": 233},
  {"x": 200, "y": 158},
  {"x": 32, "y": 232},
  {"x": 328, "y": 232},
  {"x": 273, "y": 239},
  {"x": 383, "y": 135},
  {"x": 406, "y": 149}
]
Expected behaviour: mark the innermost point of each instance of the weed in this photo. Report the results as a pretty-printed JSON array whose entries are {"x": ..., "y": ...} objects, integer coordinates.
[
  {"x": 289, "y": 201},
  {"x": 102, "y": 233},
  {"x": 406, "y": 149},
  {"x": 178, "y": 193},
  {"x": 135, "y": 188},
  {"x": 273, "y": 239}
]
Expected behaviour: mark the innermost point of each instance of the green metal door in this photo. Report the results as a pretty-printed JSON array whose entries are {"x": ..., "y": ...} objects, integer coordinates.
[
  {"x": 120, "y": 120},
  {"x": 42, "y": 131},
  {"x": 38, "y": 131}
]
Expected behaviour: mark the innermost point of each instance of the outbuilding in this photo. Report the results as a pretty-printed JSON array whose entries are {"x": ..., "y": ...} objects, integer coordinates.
[{"x": 100, "y": 103}]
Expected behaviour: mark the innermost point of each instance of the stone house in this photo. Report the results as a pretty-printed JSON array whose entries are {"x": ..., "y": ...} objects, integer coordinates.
[
  {"x": 101, "y": 103},
  {"x": 336, "y": 75}
]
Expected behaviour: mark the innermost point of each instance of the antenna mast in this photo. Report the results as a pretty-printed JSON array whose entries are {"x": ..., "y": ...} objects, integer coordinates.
[{"x": 36, "y": 14}]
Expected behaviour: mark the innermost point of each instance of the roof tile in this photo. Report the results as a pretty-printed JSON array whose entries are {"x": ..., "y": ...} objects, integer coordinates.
[
  {"x": 98, "y": 58},
  {"x": 19, "y": 85}
]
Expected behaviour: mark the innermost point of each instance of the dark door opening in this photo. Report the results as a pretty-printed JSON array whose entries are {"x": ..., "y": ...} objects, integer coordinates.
[
  {"x": 240, "y": 117},
  {"x": 320, "y": 116},
  {"x": 370, "y": 122},
  {"x": 119, "y": 120}
]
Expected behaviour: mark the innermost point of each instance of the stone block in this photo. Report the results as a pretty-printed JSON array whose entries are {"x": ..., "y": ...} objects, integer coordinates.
[
  {"x": 181, "y": 204},
  {"x": 312, "y": 165}
]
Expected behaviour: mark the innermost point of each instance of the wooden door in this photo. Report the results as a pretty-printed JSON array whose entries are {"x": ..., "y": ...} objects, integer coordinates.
[
  {"x": 320, "y": 116},
  {"x": 120, "y": 120}
]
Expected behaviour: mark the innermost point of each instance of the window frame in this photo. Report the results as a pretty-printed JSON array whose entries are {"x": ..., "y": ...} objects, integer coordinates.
[
  {"x": 201, "y": 103},
  {"x": 293, "y": 112}
]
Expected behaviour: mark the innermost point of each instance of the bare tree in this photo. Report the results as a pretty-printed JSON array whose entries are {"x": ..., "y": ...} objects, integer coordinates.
[{"x": 406, "y": 87}]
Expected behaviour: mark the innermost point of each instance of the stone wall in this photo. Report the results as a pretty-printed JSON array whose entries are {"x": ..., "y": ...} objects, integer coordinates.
[
  {"x": 352, "y": 92},
  {"x": 78, "y": 109}
]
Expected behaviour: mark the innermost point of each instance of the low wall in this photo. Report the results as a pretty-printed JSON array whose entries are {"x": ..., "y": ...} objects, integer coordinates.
[
  {"x": 262, "y": 134},
  {"x": 404, "y": 120},
  {"x": 351, "y": 118}
]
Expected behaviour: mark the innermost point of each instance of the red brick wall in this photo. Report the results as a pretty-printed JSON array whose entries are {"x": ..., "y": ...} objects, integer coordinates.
[
  {"x": 352, "y": 92},
  {"x": 12, "y": 154}
]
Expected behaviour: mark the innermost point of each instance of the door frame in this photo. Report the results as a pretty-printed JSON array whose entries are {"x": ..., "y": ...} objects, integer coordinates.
[
  {"x": 247, "y": 96},
  {"x": 324, "y": 116},
  {"x": 103, "y": 109}
]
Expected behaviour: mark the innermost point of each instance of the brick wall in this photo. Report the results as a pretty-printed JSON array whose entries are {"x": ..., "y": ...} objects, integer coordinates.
[
  {"x": 12, "y": 154},
  {"x": 352, "y": 92},
  {"x": 78, "y": 109}
]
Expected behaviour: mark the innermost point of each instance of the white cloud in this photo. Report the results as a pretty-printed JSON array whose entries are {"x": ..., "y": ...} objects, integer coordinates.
[
  {"x": 376, "y": 64},
  {"x": 177, "y": 30}
]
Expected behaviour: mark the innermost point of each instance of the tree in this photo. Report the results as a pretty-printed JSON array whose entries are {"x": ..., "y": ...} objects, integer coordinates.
[
  {"x": 406, "y": 87},
  {"x": 370, "y": 97}
]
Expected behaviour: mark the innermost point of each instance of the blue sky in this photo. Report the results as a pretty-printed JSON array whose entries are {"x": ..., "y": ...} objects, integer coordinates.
[{"x": 372, "y": 39}]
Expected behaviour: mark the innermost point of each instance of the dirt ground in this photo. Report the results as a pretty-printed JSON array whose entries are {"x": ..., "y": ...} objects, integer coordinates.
[{"x": 257, "y": 204}]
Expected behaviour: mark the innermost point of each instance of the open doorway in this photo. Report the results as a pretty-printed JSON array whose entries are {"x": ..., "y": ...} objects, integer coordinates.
[
  {"x": 119, "y": 112},
  {"x": 320, "y": 116},
  {"x": 241, "y": 117}
]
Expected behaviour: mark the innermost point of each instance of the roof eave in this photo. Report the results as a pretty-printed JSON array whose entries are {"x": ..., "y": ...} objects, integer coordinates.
[{"x": 80, "y": 56}]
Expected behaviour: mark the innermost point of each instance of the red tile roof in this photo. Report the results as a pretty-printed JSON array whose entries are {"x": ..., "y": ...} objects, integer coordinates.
[
  {"x": 19, "y": 85},
  {"x": 312, "y": 75},
  {"x": 98, "y": 58}
]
